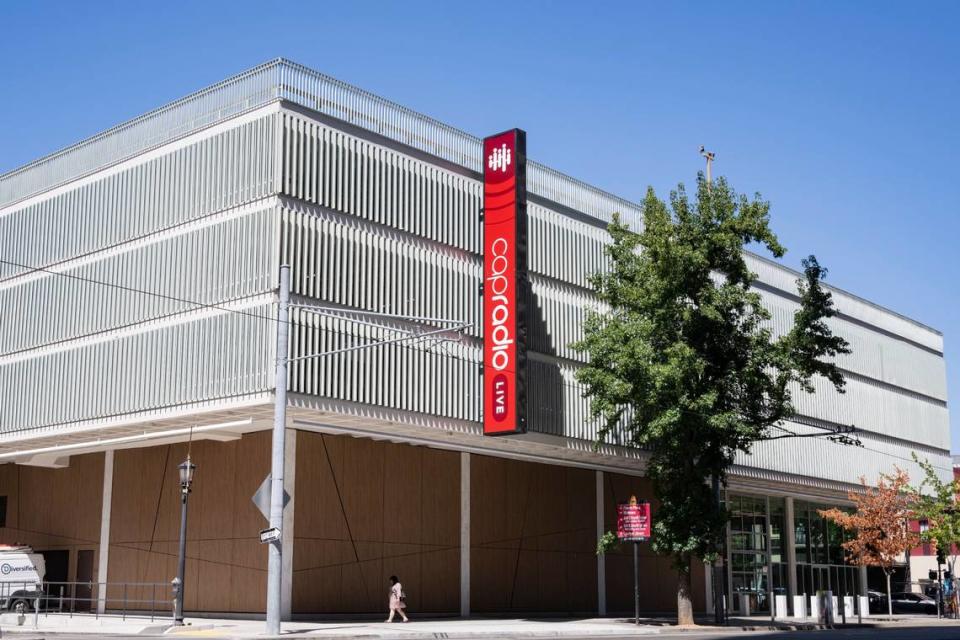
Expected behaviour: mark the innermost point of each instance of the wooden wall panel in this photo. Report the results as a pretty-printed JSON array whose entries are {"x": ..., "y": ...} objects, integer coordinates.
[
  {"x": 532, "y": 537},
  {"x": 658, "y": 579},
  {"x": 366, "y": 510},
  {"x": 55, "y": 509},
  {"x": 226, "y": 564}
]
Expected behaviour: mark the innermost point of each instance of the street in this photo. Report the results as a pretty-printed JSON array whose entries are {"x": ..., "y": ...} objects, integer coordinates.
[{"x": 933, "y": 631}]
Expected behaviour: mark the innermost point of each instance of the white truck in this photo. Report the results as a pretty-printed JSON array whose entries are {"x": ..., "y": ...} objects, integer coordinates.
[{"x": 21, "y": 576}]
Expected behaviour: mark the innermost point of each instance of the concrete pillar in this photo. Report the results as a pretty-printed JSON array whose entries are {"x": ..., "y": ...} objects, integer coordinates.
[
  {"x": 863, "y": 581},
  {"x": 790, "y": 544},
  {"x": 708, "y": 587},
  {"x": 287, "y": 530},
  {"x": 464, "y": 534},
  {"x": 601, "y": 559},
  {"x": 104, "y": 559}
]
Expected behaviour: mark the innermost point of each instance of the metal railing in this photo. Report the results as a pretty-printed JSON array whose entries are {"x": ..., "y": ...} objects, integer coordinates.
[
  {"x": 133, "y": 599},
  {"x": 284, "y": 80}
]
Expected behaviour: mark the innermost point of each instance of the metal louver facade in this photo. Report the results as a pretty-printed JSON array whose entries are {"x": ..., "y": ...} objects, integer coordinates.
[{"x": 375, "y": 208}]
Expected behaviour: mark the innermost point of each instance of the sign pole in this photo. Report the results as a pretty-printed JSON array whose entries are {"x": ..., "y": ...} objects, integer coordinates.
[
  {"x": 275, "y": 559},
  {"x": 636, "y": 582}
]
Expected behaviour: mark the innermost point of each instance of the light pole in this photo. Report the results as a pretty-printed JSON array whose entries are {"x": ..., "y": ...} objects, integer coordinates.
[
  {"x": 709, "y": 155},
  {"x": 186, "y": 469}
]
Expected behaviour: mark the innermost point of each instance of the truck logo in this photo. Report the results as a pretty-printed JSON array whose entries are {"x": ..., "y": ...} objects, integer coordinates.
[{"x": 6, "y": 568}]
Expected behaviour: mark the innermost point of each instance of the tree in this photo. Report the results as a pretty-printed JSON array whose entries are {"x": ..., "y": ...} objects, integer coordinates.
[
  {"x": 936, "y": 502},
  {"x": 682, "y": 361},
  {"x": 879, "y": 524}
]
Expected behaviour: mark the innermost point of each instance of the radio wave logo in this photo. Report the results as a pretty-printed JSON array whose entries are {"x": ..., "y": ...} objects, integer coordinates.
[
  {"x": 5, "y": 569},
  {"x": 499, "y": 159}
]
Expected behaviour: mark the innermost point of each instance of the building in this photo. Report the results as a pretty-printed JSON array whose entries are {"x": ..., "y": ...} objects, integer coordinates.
[{"x": 377, "y": 208}]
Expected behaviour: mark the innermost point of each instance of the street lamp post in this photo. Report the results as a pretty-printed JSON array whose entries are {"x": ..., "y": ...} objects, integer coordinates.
[{"x": 186, "y": 469}]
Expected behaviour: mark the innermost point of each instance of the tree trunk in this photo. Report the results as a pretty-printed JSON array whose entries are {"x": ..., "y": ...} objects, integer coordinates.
[
  {"x": 684, "y": 595},
  {"x": 889, "y": 600},
  {"x": 908, "y": 577}
]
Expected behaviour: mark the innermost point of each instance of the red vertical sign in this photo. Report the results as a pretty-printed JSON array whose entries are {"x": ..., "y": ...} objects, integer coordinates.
[{"x": 504, "y": 277}]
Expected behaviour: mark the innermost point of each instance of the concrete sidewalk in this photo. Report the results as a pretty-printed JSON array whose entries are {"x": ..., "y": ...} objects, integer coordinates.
[{"x": 449, "y": 628}]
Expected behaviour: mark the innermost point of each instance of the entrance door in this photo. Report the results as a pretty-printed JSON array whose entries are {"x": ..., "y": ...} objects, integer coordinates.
[
  {"x": 85, "y": 575},
  {"x": 58, "y": 572}
]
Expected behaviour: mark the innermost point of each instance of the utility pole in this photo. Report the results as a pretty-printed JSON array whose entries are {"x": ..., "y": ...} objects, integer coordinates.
[
  {"x": 719, "y": 613},
  {"x": 275, "y": 566},
  {"x": 709, "y": 155}
]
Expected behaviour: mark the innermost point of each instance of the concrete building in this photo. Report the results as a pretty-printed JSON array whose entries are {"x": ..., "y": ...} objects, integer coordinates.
[{"x": 139, "y": 284}]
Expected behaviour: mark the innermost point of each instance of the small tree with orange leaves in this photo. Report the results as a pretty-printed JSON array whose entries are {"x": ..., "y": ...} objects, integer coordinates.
[{"x": 879, "y": 525}]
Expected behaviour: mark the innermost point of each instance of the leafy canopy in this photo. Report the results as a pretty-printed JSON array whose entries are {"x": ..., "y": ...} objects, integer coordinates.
[
  {"x": 682, "y": 359},
  {"x": 936, "y": 502}
]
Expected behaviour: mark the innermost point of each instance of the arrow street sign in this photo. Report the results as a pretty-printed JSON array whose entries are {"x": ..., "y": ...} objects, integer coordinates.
[{"x": 269, "y": 535}]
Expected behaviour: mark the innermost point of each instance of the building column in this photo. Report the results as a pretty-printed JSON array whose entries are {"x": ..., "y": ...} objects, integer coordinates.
[
  {"x": 790, "y": 544},
  {"x": 601, "y": 558},
  {"x": 286, "y": 540},
  {"x": 104, "y": 559},
  {"x": 708, "y": 587},
  {"x": 464, "y": 534}
]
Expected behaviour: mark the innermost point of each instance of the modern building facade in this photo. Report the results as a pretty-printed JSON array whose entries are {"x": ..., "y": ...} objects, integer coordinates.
[{"x": 139, "y": 288}]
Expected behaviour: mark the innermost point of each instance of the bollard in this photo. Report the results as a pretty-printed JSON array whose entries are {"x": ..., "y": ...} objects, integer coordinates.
[
  {"x": 800, "y": 606},
  {"x": 36, "y": 607},
  {"x": 176, "y": 597}
]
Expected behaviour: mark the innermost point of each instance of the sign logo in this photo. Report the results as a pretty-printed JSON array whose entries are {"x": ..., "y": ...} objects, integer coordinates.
[
  {"x": 499, "y": 159},
  {"x": 5, "y": 569},
  {"x": 504, "y": 278}
]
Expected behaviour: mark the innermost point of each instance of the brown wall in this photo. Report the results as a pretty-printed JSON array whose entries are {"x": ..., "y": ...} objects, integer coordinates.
[
  {"x": 658, "y": 580},
  {"x": 532, "y": 537},
  {"x": 55, "y": 509},
  {"x": 366, "y": 510},
  {"x": 226, "y": 564}
]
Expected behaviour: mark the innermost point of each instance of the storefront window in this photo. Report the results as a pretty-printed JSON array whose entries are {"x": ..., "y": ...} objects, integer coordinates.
[
  {"x": 820, "y": 557},
  {"x": 749, "y": 552}
]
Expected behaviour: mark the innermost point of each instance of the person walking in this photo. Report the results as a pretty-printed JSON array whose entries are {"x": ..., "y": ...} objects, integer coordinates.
[{"x": 398, "y": 600}]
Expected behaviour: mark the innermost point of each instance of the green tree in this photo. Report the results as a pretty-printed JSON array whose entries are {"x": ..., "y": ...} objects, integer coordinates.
[
  {"x": 682, "y": 359},
  {"x": 936, "y": 502}
]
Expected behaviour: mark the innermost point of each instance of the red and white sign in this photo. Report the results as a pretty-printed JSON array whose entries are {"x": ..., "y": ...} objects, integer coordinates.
[
  {"x": 633, "y": 521},
  {"x": 504, "y": 272}
]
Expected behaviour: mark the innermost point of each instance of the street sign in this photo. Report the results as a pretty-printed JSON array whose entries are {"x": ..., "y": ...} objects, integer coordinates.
[
  {"x": 633, "y": 525},
  {"x": 633, "y": 521},
  {"x": 269, "y": 535},
  {"x": 262, "y": 498}
]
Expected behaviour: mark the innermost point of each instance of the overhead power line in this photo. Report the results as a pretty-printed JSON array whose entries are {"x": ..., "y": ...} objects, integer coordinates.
[{"x": 838, "y": 434}]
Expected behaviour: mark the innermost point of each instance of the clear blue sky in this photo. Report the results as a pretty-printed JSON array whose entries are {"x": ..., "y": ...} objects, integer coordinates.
[{"x": 843, "y": 114}]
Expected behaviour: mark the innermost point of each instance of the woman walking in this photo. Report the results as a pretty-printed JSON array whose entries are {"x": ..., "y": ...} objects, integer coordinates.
[{"x": 397, "y": 599}]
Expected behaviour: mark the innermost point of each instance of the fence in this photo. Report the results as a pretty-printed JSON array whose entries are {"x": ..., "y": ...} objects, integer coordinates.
[{"x": 141, "y": 599}]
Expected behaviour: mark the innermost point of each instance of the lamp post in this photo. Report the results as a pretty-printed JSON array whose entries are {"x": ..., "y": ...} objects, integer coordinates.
[{"x": 186, "y": 469}]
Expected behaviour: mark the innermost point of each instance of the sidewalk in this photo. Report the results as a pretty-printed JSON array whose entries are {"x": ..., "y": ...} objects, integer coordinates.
[{"x": 450, "y": 628}]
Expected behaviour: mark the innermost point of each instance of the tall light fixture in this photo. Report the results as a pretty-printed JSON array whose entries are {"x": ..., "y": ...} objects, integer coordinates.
[{"x": 186, "y": 469}]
